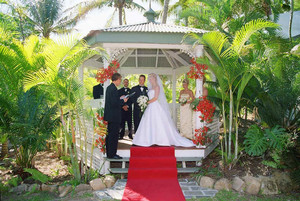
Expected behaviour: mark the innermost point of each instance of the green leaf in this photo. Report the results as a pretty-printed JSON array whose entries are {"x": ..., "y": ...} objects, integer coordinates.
[
  {"x": 255, "y": 142},
  {"x": 37, "y": 175}
]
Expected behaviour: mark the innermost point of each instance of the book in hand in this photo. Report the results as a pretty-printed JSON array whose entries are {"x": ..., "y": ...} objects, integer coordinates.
[{"x": 127, "y": 96}]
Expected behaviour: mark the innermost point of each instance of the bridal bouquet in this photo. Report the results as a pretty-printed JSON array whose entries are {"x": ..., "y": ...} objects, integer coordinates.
[
  {"x": 182, "y": 101},
  {"x": 142, "y": 101}
]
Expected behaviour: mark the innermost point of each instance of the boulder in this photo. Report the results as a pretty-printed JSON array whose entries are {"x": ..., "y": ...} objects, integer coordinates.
[
  {"x": 82, "y": 187},
  {"x": 207, "y": 182},
  {"x": 20, "y": 189},
  {"x": 64, "y": 190},
  {"x": 252, "y": 185},
  {"x": 238, "y": 184},
  {"x": 223, "y": 184},
  {"x": 283, "y": 181},
  {"x": 49, "y": 188},
  {"x": 97, "y": 184},
  {"x": 268, "y": 186},
  {"x": 109, "y": 181},
  {"x": 33, "y": 188}
]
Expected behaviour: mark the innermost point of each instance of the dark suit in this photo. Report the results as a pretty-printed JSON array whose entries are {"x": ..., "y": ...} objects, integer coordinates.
[
  {"x": 126, "y": 115},
  {"x": 112, "y": 114},
  {"x": 137, "y": 114},
  {"x": 97, "y": 91}
]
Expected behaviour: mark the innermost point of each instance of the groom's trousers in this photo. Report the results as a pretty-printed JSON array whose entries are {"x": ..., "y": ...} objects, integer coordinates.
[{"x": 112, "y": 139}]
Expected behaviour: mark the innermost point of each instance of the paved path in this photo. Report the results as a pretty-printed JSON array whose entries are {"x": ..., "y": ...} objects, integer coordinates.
[{"x": 190, "y": 189}]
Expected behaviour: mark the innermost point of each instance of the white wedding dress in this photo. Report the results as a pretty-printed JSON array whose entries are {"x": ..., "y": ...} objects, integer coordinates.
[{"x": 157, "y": 127}]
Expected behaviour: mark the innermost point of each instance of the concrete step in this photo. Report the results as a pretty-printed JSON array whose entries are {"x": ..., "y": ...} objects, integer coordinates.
[
  {"x": 125, "y": 170},
  {"x": 178, "y": 159}
]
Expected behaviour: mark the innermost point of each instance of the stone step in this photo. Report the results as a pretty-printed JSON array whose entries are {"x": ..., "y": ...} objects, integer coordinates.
[
  {"x": 178, "y": 159},
  {"x": 125, "y": 170}
]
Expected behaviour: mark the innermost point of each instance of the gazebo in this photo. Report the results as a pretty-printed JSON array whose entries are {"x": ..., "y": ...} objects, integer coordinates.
[{"x": 142, "y": 49}]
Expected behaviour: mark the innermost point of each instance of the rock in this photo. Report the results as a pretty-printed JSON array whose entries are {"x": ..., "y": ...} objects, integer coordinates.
[
  {"x": 33, "y": 188},
  {"x": 223, "y": 184},
  {"x": 49, "y": 188},
  {"x": 252, "y": 185},
  {"x": 268, "y": 186},
  {"x": 207, "y": 182},
  {"x": 19, "y": 189},
  {"x": 64, "y": 190},
  {"x": 82, "y": 187},
  {"x": 109, "y": 181},
  {"x": 283, "y": 181},
  {"x": 97, "y": 184},
  {"x": 238, "y": 184}
]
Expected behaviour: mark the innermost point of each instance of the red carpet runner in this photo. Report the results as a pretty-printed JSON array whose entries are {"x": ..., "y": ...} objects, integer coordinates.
[{"x": 152, "y": 175}]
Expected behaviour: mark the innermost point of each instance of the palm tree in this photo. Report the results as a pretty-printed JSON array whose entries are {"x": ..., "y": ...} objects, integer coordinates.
[
  {"x": 165, "y": 11},
  {"x": 60, "y": 77},
  {"x": 47, "y": 17},
  {"x": 232, "y": 73},
  {"x": 84, "y": 8}
]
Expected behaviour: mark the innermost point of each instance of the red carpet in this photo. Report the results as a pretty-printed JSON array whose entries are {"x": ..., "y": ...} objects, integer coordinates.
[{"x": 152, "y": 175}]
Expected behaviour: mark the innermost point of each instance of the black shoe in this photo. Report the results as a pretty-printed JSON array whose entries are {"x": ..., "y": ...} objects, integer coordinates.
[
  {"x": 115, "y": 157},
  {"x": 121, "y": 138}
]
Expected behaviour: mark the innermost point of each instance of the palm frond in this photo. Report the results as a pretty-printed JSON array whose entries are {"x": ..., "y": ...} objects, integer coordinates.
[{"x": 243, "y": 35}]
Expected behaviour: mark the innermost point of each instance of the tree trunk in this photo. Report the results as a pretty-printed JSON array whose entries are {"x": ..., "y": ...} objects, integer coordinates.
[
  {"x": 230, "y": 122},
  {"x": 4, "y": 151},
  {"x": 165, "y": 13},
  {"x": 291, "y": 19},
  {"x": 120, "y": 15}
]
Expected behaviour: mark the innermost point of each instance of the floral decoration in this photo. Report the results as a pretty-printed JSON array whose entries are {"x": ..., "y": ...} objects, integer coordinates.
[
  {"x": 207, "y": 109},
  {"x": 201, "y": 137},
  {"x": 197, "y": 70},
  {"x": 104, "y": 74},
  {"x": 101, "y": 131}
]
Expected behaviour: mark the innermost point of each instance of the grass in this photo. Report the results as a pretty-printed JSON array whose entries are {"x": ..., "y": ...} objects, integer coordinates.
[
  {"x": 234, "y": 196},
  {"x": 40, "y": 196}
]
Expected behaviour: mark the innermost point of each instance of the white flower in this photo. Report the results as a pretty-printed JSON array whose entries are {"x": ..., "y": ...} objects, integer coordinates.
[
  {"x": 142, "y": 102},
  {"x": 182, "y": 100}
]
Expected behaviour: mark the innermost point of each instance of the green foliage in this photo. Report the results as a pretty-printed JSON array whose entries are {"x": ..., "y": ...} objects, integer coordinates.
[
  {"x": 14, "y": 181},
  {"x": 255, "y": 141},
  {"x": 37, "y": 175}
]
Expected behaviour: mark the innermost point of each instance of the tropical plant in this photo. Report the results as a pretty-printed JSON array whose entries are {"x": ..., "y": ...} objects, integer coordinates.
[
  {"x": 33, "y": 124},
  {"x": 272, "y": 141},
  {"x": 47, "y": 17},
  {"x": 83, "y": 8},
  {"x": 60, "y": 76},
  {"x": 16, "y": 20},
  {"x": 37, "y": 175},
  {"x": 231, "y": 72}
]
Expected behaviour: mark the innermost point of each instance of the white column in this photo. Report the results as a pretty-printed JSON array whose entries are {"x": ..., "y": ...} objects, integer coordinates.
[
  {"x": 174, "y": 109},
  {"x": 199, "y": 50},
  {"x": 105, "y": 65}
]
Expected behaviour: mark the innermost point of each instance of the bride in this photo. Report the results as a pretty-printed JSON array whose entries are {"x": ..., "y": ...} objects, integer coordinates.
[{"x": 156, "y": 126}]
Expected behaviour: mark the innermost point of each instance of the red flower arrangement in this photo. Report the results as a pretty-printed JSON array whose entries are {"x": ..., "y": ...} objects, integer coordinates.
[
  {"x": 201, "y": 137},
  {"x": 207, "y": 109},
  {"x": 197, "y": 70},
  {"x": 104, "y": 74},
  {"x": 101, "y": 132}
]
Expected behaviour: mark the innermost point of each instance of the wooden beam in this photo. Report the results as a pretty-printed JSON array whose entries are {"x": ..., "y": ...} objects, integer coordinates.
[{"x": 177, "y": 57}]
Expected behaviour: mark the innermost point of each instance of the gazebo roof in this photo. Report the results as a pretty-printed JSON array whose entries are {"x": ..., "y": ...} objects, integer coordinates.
[{"x": 149, "y": 27}]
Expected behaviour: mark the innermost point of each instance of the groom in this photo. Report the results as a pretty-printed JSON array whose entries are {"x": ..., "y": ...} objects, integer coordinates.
[
  {"x": 140, "y": 90},
  {"x": 112, "y": 114}
]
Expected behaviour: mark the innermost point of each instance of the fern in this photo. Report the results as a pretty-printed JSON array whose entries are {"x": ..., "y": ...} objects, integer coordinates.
[{"x": 255, "y": 143}]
